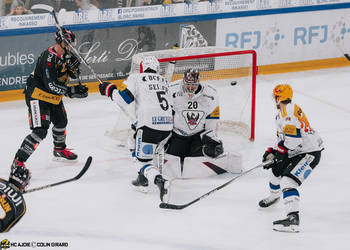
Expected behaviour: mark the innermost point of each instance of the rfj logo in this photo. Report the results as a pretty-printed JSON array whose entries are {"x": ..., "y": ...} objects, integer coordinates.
[
  {"x": 269, "y": 39},
  {"x": 192, "y": 118}
]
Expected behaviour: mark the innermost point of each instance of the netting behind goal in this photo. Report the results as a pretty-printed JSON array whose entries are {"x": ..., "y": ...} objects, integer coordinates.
[{"x": 232, "y": 73}]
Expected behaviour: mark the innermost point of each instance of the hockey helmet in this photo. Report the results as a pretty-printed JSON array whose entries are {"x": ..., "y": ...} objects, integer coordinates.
[
  {"x": 283, "y": 92},
  {"x": 150, "y": 63},
  {"x": 69, "y": 35},
  {"x": 191, "y": 81}
]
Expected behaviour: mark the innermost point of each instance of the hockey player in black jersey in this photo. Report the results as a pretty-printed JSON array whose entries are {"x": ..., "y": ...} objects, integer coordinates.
[
  {"x": 12, "y": 206},
  {"x": 45, "y": 88}
]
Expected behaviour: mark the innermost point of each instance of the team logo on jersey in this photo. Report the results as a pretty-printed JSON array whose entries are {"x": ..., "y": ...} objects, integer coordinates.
[{"x": 192, "y": 118}]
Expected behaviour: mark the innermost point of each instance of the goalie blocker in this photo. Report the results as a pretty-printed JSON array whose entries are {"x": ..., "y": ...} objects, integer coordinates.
[{"x": 13, "y": 206}]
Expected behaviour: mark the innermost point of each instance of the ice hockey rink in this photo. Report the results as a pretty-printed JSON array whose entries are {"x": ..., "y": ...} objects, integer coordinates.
[{"x": 102, "y": 210}]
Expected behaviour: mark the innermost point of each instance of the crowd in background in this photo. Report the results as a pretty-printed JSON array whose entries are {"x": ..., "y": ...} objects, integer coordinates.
[{"x": 23, "y": 7}]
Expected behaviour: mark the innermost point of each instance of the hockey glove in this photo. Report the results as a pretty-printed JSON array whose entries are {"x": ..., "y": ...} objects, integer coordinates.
[
  {"x": 106, "y": 88},
  {"x": 281, "y": 152},
  {"x": 269, "y": 154},
  {"x": 73, "y": 62},
  {"x": 77, "y": 91},
  {"x": 212, "y": 146}
]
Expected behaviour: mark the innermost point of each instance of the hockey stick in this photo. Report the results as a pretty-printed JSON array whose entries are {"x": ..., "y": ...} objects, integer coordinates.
[
  {"x": 76, "y": 52},
  {"x": 347, "y": 56},
  {"x": 159, "y": 153},
  {"x": 81, "y": 173},
  {"x": 178, "y": 207}
]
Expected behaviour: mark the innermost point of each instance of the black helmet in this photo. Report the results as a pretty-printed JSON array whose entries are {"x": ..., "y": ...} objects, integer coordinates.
[{"x": 69, "y": 35}]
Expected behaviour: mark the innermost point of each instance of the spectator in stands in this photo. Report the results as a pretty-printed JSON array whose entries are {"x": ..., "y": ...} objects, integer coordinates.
[
  {"x": 68, "y": 5},
  {"x": 85, "y": 5},
  {"x": 19, "y": 9}
]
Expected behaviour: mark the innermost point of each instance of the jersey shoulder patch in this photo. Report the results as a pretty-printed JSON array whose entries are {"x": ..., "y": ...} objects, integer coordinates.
[{"x": 215, "y": 114}]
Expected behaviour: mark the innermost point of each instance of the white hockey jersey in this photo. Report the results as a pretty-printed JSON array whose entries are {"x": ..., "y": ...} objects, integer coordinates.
[
  {"x": 294, "y": 129},
  {"x": 152, "y": 100},
  {"x": 192, "y": 115}
]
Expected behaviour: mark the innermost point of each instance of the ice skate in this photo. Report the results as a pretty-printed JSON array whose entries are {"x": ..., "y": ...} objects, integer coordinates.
[
  {"x": 64, "y": 155},
  {"x": 140, "y": 183},
  {"x": 290, "y": 224},
  {"x": 20, "y": 175}
]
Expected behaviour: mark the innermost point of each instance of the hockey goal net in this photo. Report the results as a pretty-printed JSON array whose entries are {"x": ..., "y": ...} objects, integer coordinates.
[{"x": 232, "y": 73}]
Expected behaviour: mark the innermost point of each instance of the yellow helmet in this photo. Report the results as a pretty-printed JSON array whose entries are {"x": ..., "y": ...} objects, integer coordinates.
[{"x": 283, "y": 92}]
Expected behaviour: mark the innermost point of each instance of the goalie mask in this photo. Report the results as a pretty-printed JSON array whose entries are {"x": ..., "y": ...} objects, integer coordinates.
[
  {"x": 191, "y": 81},
  {"x": 69, "y": 35},
  {"x": 150, "y": 64}
]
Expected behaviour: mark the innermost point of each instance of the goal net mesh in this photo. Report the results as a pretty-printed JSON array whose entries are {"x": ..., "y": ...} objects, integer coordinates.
[{"x": 232, "y": 73}]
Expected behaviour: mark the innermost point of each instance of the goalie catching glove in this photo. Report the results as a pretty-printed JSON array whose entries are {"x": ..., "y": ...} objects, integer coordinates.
[
  {"x": 212, "y": 146},
  {"x": 77, "y": 91},
  {"x": 106, "y": 88}
]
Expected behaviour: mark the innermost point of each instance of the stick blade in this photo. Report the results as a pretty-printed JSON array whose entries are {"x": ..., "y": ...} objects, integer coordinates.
[
  {"x": 347, "y": 56},
  {"x": 85, "y": 168},
  {"x": 171, "y": 206}
]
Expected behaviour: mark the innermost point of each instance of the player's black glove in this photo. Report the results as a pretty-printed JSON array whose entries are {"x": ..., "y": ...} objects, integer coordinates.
[
  {"x": 281, "y": 152},
  {"x": 77, "y": 91},
  {"x": 269, "y": 154},
  {"x": 106, "y": 88},
  {"x": 73, "y": 62},
  {"x": 278, "y": 156}
]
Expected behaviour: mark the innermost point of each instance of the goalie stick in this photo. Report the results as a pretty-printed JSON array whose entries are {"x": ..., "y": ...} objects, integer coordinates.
[
  {"x": 179, "y": 207},
  {"x": 81, "y": 173}
]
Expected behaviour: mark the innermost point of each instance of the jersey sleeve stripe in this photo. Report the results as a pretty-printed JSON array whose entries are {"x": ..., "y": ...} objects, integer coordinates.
[
  {"x": 212, "y": 117},
  {"x": 127, "y": 96}
]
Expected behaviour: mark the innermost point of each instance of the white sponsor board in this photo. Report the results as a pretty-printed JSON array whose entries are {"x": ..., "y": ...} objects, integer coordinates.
[
  {"x": 288, "y": 37},
  {"x": 155, "y": 11}
]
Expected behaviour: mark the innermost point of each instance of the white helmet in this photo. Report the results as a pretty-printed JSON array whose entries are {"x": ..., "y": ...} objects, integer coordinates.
[{"x": 150, "y": 62}]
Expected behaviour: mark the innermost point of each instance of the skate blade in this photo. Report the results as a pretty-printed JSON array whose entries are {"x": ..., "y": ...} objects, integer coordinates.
[
  {"x": 290, "y": 229},
  {"x": 60, "y": 159}
]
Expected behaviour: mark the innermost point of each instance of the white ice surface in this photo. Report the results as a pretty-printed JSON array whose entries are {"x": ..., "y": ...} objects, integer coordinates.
[{"x": 102, "y": 211}]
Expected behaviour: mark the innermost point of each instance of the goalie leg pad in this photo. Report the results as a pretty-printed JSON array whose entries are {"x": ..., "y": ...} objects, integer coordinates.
[
  {"x": 172, "y": 166},
  {"x": 199, "y": 167}
]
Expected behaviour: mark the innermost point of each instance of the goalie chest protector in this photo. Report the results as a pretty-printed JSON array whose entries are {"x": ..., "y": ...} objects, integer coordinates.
[{"x": 13, "y": 206}]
